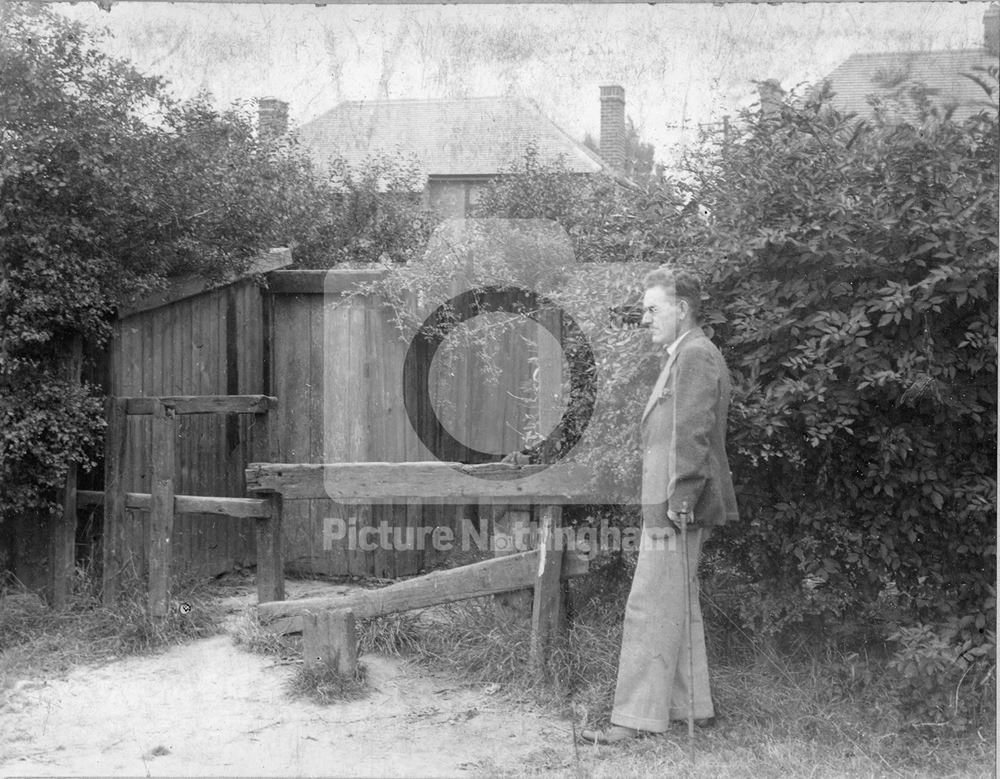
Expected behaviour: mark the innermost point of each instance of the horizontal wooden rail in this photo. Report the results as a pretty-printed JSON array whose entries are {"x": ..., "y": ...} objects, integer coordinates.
[
  {"x": 240, "y": 508},
  {"x": 202, "y": 404},
  {"x": 445, "y": 482},
  {"x": 489, "y": 577}
]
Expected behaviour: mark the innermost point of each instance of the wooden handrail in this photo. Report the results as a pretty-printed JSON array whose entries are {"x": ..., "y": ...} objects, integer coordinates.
[
  {"x": 445, "y": 482},
  {"x": 239, "y": 508}
]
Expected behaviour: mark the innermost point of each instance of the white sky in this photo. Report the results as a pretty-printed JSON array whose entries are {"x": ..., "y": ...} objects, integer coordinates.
[{"x": 678, "y": 63}]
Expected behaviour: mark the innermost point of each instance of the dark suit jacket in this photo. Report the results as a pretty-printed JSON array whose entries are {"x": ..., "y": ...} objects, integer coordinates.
[{"x": 684, "y": 462}]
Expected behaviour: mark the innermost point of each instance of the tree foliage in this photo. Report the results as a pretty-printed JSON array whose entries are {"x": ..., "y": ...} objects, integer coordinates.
[{"x": 108, "y": 187}]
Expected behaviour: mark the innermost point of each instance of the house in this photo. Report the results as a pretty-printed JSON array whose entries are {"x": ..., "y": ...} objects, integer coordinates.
[
  {"x": 944, "y": 74},
  {"x": 459, "y": 144}
]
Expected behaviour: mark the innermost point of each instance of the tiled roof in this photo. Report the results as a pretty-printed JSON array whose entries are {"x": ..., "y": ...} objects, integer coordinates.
[
  {"x": 941, "y": 71},
  {"x": 471, "y": 137}
]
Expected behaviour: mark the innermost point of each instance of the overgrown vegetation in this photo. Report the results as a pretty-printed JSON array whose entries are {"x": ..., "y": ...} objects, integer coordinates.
[
  {"x": 851, "y": 270},
  {"x": 109, "y": 188}
]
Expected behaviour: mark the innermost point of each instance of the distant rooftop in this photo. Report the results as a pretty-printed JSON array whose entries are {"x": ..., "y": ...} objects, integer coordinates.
[
  {"x": 864, "y": 74},
  {"x": 466, "y": 137}
]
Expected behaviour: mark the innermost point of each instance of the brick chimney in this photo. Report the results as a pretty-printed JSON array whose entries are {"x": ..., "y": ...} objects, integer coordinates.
[
  {"x": 272, "y": 117},
  {"x": 771, "y": 98},
  {"x": 612, "y": 142},
  {"x": 991, "y": 29}
]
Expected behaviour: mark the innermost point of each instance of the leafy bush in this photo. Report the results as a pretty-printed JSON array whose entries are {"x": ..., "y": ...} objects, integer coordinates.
[
  {"x": 108, "y": 188},
  {"x": 942, "y": 681},
  {"x": 851, "y": 272},
  {"x": 855, "y": 296}
]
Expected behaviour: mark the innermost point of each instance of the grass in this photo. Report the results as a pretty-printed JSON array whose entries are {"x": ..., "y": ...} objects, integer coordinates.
[
  {"x": 36, "y": 640},
  {"x": 325, "y": 685},
  {"x": 815, "y": 710},
  {"x": 820, "y": 711}
]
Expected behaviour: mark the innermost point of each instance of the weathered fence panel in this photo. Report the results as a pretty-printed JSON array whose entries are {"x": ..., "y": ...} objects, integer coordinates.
[
  {"x": 208, "y": 344},
  {"x": 337, "y": 369}
]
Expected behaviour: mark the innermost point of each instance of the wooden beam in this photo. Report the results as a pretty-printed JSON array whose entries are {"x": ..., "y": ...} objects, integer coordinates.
[
  {"x": 189, "y": 286},
  {"x": 330, "y": 640},
  {"x": 270, "y": 561},
  {"x": 114, "y": 499},
  {"x": 448, "y": 482},
  {"x": 62, "y": 536},
  {"x": 488, "y": 577},
  {"x": 240, "y": 508},
  {"x": 546, "y": 612},
  {"x": 321, "y": 282},
  {"x": 162, "y": 508},
  {"x": 202, "y": 404}
]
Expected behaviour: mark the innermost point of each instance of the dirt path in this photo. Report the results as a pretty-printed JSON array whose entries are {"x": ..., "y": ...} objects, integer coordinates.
[{"x": 211, "y": 709}]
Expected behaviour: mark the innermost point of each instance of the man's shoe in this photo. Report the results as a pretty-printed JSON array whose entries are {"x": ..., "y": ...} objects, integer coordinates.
[
  {"x": 707, "y": 722},
  {"x": 616, "y": 734}
]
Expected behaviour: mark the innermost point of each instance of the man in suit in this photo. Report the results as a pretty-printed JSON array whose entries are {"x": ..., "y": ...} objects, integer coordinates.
[{"x": 684, "y": 471}]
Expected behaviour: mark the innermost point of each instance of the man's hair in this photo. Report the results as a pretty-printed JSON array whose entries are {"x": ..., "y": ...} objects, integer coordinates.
[{"x": 680, "y": 283}]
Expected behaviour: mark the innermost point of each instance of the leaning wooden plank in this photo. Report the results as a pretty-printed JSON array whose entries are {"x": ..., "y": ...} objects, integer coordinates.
[
  {"x": 450, "y": 482},
  {"x": 240, "y": 508},
  {"x": 162, "y": 508},
  {"x": 204, "y": 404},
  {"x": 470, "y": 581},
  {"x": 189, "y": 286}
]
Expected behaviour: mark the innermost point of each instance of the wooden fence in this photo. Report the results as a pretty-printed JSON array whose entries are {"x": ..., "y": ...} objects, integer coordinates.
[{"x": 335, "y": 362}]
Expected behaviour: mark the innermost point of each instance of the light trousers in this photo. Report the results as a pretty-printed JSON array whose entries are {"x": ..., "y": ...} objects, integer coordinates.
[{"x": 653, "y": 669}]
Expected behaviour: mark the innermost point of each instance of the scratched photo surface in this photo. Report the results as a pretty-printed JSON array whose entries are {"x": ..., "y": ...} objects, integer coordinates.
[
  {"x": 680, "y": 65},
  {"x": 352, "y": 388}
]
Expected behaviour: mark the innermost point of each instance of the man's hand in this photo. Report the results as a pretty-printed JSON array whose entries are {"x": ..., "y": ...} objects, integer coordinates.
[{"x": 675, "y": 518}]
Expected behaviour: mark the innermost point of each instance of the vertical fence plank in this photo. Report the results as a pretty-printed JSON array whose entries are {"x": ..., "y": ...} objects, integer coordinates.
[
  {"x": 114, "y": 498},
  {"x": 162, "y": 513}
]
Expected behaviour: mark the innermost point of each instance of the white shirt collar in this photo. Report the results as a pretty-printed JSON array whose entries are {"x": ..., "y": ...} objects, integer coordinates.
[{"x": 673, "y": 347}]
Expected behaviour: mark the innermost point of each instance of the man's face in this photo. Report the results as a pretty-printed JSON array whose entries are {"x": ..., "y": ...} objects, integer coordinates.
[{"x": 662, "y": 313}]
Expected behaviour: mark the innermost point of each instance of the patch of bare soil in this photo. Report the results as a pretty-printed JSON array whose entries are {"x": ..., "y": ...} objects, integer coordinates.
[{"x": 211, "y": 709}]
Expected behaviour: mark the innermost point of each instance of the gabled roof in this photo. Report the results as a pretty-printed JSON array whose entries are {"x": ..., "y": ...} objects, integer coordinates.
[
  {"x": 864, "y": 74},
  {"x": 468, "y": 137}
]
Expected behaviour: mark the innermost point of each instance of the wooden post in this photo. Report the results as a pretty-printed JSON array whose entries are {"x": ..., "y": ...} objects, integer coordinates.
[
  {"x": 62, "y": 544},
  {"x": 511, "y": 525},
  {"x": 546, "y": 616},
  {"x": 270, "y": 565},
  {"x": 114, "y": 498},
  {"x": 162, "y": 509},
  {"x": 329, "y": 638},
  {"x": 62, "y": 534}
]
